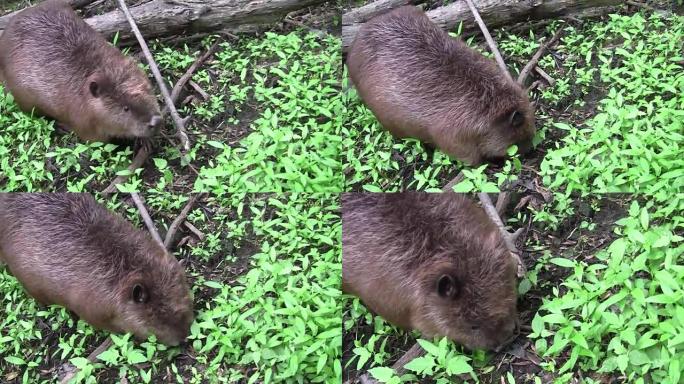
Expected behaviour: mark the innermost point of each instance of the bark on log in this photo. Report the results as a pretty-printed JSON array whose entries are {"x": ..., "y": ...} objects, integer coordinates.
[
  {"x": 495, "y": 13},
  {"x": 165, "y": 17}
]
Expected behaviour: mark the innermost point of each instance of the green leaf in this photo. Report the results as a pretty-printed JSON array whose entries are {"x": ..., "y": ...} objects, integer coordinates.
[
  {"x": 562, "y": 262},
  {"x": 136, "y": 357},
  {"x": 637, "y": 357},
  {"x": 15, "y": 360},
  {"x": 617, "y": 250},
  {"x": 423, "y": 364},
  {"x": 644, "y": 218},
  {"x": 383, "y": 374},
  {"x": 464, "y": 187},
  {"x": 372, "y": 188},
  {"x": 458, "y": 365},
  {"x": 213, "y": 284},
  {"x": 429, "y": 347},
  {"x": 674, "y": 371}
]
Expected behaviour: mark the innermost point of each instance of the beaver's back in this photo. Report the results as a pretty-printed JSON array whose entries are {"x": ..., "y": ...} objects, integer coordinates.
[
  {"x": 420, "y": 82},
  {"x": 65, "y": 238},
  {"x": 432, "y": 262},
  {"x": 50, "y": 43},
  {"x": 69, "y": 250}
]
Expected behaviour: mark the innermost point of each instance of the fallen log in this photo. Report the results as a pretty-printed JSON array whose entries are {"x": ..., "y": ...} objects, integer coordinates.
[
  {"x": 163, "y": 17},
  {"x": 495, "y": 13}
]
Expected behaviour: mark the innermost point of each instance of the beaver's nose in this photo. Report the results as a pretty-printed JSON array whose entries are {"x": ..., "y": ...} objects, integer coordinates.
[
  {"x": 514, "y": 335},
  {"x": 525, "y": 146},
  {"x": 155, "y": 121}
]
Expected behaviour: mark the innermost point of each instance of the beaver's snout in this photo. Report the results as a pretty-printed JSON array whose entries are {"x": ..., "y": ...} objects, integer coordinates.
[{"x": 155, "y": 122}]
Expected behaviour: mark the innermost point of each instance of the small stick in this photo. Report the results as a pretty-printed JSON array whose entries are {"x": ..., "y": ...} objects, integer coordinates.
[
  {"x": 488, "y": 37},
  {"x": 537, "y": 55},
  {"x": 450, "y": 185},
  {"x": 415, "y": 351},
  {"x": 502, "y": 202},
  {"x": 194, "y": 230},
  {"x": 140, "y": 158},
  {"x": 179, "y": 220},
  {"x": 178, "y": 122},
  {"x": 191, "y": 71},
  {"x": 199, "y": 90},
  {"x": 146, "y": 217},
  {"x": 91, "y": 358},
  {"x": 509, "y": 238},
  {"x": 545, "y": 75}
]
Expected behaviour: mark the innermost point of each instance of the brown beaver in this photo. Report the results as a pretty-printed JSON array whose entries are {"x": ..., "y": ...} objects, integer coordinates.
[
  {"x": 67, "y": 249},
  {"x": 56, "y": 63},
  {"x": 432, "y": 262},
  {"x": 421, "y": 83}
]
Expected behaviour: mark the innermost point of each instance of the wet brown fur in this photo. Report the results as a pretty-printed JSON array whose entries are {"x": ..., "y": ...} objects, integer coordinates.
[
  {"x": 50, "y": 61},
  {"x": 396, "y": 247},
  {"x": 67, "y": 249},
  {"x": 421, "y": 83}
]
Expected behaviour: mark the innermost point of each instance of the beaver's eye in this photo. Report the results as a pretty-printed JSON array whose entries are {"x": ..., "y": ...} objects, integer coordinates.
[{"x": 126, "y": 108}]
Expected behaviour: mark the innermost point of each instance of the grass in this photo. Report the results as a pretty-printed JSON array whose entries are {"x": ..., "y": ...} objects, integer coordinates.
[
  {"x": 271, "y": 124},
  {"x": 266, "y": 284},
  {"x": 602, "y": 299}
]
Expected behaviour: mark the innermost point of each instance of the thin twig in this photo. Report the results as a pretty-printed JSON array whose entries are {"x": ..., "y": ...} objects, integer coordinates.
[
  {"x": 488, "y": 37},
  {"x": 537, "y": 55},
  {"x": 138, "y": 161},
  {"x": 509, "y": 238},
  {"x": 545, "y": 75},
  {"x": 178, "y": 122},
  {"x": 191, "y": 71},
  {"x": 146, "y": 217},
  {"x": 91, "y": 358},
  {"x": 199, "y": 90},
  {"x": 194, "y": 230},
  {"x": 450, "y": 185},
  {"x": 180, "y": 219},
  {"x": 502, "y": 201}
]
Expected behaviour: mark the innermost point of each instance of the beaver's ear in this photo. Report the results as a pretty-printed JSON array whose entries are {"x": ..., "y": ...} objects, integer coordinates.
[
  {"x": 447, "y": 287},
  {"x": 516, "y": 119}
]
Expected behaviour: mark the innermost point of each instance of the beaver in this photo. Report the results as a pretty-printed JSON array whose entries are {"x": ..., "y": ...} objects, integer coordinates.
[
  {"x": 67, "y": 249},
  {"x": 421, "y": 83},
  {"x": 432, "y": 262},
  {"x": 56, "y": 63}
]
